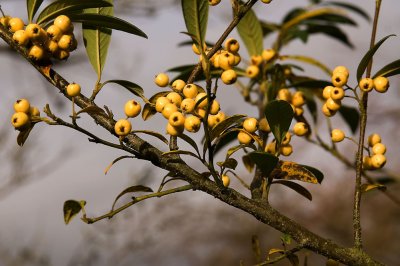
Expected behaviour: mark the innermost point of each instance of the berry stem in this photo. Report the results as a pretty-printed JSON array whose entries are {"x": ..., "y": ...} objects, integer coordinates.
[{"x": 363, "y": 105}]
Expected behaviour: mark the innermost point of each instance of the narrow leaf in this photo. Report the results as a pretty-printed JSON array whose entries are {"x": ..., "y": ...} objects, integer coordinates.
[
  {"x": 32, "y": 7},
  {"x": 97, "y": 40},
  {"x": 265, "y": 162},
  {"x": 296, "y": 187},
  {"x": 106, "y": 21},
  {"x": 116, "y": 160},
  {"x": 152, "y": 133},
  {"x": 351, "y": 116},
  {"x": 389, "y": 70},
  {"x": 91, "y": 110},
  {"x": 23, "y": 136},
  {"x": 362, "y": 66},
  {"x": 130, "y": 86},
  {"x": 148, "y": 111},
  {"x": 369, "y": 187},
  {"x": 310, "y": 83},
  {"x": 248, "y": 163},
  {"x": 317, "y": 173},
  {"x": 279, "y": 115},
  {"x": 138, "y": 188},
  {"x": 223, "y": 140},
  {"x": 195, "y": 14},
  {"x": 350, "y": 7},
  {"x": 308, "y": 60},
  {"x": 221, "y": 127},
  {"x": 228, "y": 163},
  {"x": 67, "y": 7},
  {"x": 190, "y": 141},
  {"x": 71, "y": 209},
  {"x": 250, "y": 31}
]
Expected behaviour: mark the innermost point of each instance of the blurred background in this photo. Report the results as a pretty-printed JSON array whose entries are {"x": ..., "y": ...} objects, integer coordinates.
[{"x": 189, "y": 228}]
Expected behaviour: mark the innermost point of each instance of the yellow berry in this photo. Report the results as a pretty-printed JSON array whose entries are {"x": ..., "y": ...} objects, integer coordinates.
[
  {"x": 373, "y": 139},
  {"x": 337, "y": 93},
  {"x": 341, "y": 69},
  {"x": 300, "y": 129},
  {"x": 132, "y": 108},
  {"x": 168, "y": 109},
  {"x": 21, "y": 38},
  {"x": 34, "y": 111},
  {"x": 252, "y": 71},
  {"x": 178, "y": 85},
  {"x": 326, "y": 93},
  {"x": 161, "y": 102},
  {"x": 174, "y": 131},
  {"x": 214, "y": 107},
  {"x": 232, "y": 45},
  {"x": 54, "y": 33},
  {"x": 177, "y": 119},
  {"x": 337, "y": 135},
  {"x": 298, "y": 99},
  {"x": 339, "y": 79},
  {"x": 20, "y": 120},
  {"x": 286, "y": 150},
  {"x": 200, "y": 112},
  {"x": 381, "y": 84},
  {"x": 229, "y": 76},
  {"x": 161, "y": 80},
  {"x": 326, "y": 111},
  {"x": 366, "y": 84},
  {"x": 284, "y": 94},
  {"x": 379, "y": 148},
  {"x": 22, "y": 105},
  {"x": 73, "y": 89},
  {"x": 123, "y": 127},
  {"x": 367, "y": 164},
  {"x": 61, "y": 54},
  {"x": 256, "y": 60},
  {"x": 5, "y": 21},
  {"x": 244, "y": 138},
  {"x": 287, "y": 138},
  {"x": 35, "y": 33},
  {"x": 51, "y": 46},
  {"x": 250, "y": 124},
  {"x": 298, "y": 111},
  {"x": 226, "y": 60},
  {"x": 15, "y": 24},
  {"x": 63, "y": 23},
  {"x": 65, "y": 42},
  {"x": 188, "y": 105},
  {"x": 190, "y": 90},
  {"x": 268, "y": 54},
  {"x": 271, "y": 147},
  {"x": 201, "y": 100},
  {"x": 192, "y": 123},
  {"x": 36, "y": 53},
  {"x": 263, "y": 125},
  {"x": 225, "y": 180},
  {"x": 333, "y": 105},
  {"x": 378, "y": 161},
  {"x": 175, "y": 98},
  {"x": 237, "y": 59},
  {"x": 211, "y": 121},
  {"x": 266, "y": 1}
]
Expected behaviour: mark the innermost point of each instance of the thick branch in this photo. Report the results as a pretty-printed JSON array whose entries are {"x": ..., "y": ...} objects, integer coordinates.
[{"x": 175, "y": 164}]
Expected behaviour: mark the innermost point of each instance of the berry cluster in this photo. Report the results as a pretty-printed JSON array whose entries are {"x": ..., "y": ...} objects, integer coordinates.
[
  {"x": 56, "y": 41},
  {"x": 253, "y": 69},
  {"x": 132, "y": 109},
  {"x": 378, "y": 159},
  {"x": 296, "y": 100},
  {"x": 380, "y": 84},
  {"x": 334, "y": 94},
  {"x": 286, "y": 148},
  {"x": 23, "y": 115}
]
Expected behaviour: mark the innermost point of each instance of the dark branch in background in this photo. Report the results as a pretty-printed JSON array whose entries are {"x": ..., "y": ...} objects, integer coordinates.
[{"x": 173, "y": 163}]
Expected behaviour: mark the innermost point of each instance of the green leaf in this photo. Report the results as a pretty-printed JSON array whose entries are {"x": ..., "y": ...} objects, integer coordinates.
[
  {"x": 266, "y": 162},
  {"x": 279, "y": 115},
  {"x": 310, "y": 83},
  {"x": 317, "y": 173},
  {"x": 190, "y": 141},
  {"x": 350, "y": 7},
  {"x": 224, "y": 140},
  {"x": 23, "y": 136},
  {"x": 308, "y": 60},
  {"x": 250, "y": 31},
  {"x": 389, "y": 70},
  {"x": 116, "y": 160},
  {"x": 181, "y": 152},
  {"x": 228, "y": 163},
  {"x": 67, "y": 7},
  {"x": 368, "y": 57},
  {"x": 331, "y": 31},
  {"x": 221, "y": 127},
  {"x": 152, "y": 133},
  {"x": 138, "y": 188},
  {"x": 296, "y": 187},
  {"x": 351, "y": 116},
  {"x": 248, "y": 163},
  {"x": 368, "y": 187},
  {"x": 92, "y": 109},
  {"x": 148, "y": 111},
  {"x": 71, "y": 209},
  {"x": 97, "y": 40},
  {"x": 195, "y": 13},
  {"x": 32, "y": 7},
  {"x": 105, "y": 21},
  {"x": 130, "y": 86}
]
